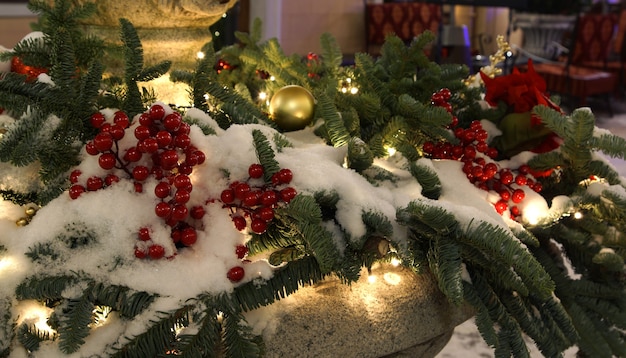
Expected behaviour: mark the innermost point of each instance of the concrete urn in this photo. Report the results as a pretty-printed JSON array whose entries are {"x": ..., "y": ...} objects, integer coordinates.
[{"x": 168, "y": 29}]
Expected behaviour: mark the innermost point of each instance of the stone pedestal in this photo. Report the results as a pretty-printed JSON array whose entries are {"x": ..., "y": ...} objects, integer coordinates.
[{"x": 400, "y": 314}]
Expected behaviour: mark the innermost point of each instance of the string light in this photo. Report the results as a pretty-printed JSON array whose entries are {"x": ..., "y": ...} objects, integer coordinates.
[
  {"x": 395, "y": 262},
  {"x": 200, "y": 55},
  {"x": 391, "y": 151},
  {"x": 37, "y": 315},
  {"x": 371, "y": 278},
  {"x": 578, "y": 215},
  {"x": 100, "y": 315},
  {"x": 263, "y": 96},
  {"x": 5, "y": 263}
]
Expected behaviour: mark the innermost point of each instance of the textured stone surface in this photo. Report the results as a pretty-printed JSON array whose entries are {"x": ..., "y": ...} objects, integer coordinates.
[
  {"x": 400, "y": 315},
  {"x": 172, "y": 30}
]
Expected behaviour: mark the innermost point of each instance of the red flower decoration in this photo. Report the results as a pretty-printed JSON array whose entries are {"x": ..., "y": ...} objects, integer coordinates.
[{"x": 521, "y": 91}]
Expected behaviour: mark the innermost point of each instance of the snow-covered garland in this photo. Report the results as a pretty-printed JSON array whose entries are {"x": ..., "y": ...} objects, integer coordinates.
[{"x": 164, "y": 207}]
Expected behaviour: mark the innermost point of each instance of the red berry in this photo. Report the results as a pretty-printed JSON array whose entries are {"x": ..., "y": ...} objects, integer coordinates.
[
  {"x": 197, "y": 212},
  {"x": 477, "y": 171},
  {"x": 111, "y": 178},
  {"x": 148, "y": 145},
  {"x": 227, "y": 196},
  {"x": 179, "y": 212},
  {"x": 285, "y": 176},
  {"x": 91, "y": 149},
  {"x": 258, "y": 226},
  {"x": 501, "y": 206},
  {"x": 107, "y": 161},
  {"x": 492, "y": 153},
  {"x": 251, "y": 199},
  {"x": 176, "y": 234},
  {"x": 469, "y": 152},
  {"x": 475, "y": 125},
  {"x": 163, "y": 210},
  {"x": 240, "y": 222},
  {"x": 97, "y": 120},
  {"x": 269, "y": 198},
  {"x": 428, "y": 147},
  {"x": 506, "y": 177},
  {"x": 162, "y": 190},
  {"x": 121, "y": 118},
  {"x": 288, "y": 194},
  {"x": 188, "y": 236},
  {"x": 76, "y": 190},
  {"x": 505, "y": 195},
  {"x": 103, "y": 142},
  {"x": 182, "y": 141},
  {"x": 185, "y": 169},
  {"x": 482, "y": 147},
  {"x": 139, "y": 253},
  {"x": 200, "y": 156},
  {"x": 241, "y": 190},
  {"x": 94, "y": 183},
  {"x": 537, "y": 187},
  {"x": 156, "y": 112},
  {"x": 74, "y": 175},
  {"x": 490, "y": 169},
  {"x": 172, "y": 122},
  {"x": 182, "y": 181},
  {"x": 169, "y": 159},
  {"x": 255, "y": 171},
  {"x": 515, "y": 211},
  {"x": 184, "y": 128},
  {"x": 521, "y": 180},
  {"x": 141, "y": 173},
  {"x": 164, "y": 138},
  {"x": 181, "y": 196},
  {"x": 241, "y": 251},
  {"x": 524, "y": 169},
  {"x": 266, "y": 213},
  {"x": 132, "y": 155},
  {"x": 481, "y": 135},
  {"x": 156, "y": 251},
  {"x": 145, "y": 120},
  {"x": 236, "y": 274},
  {"x": 518, "y": 196},
  {"x": 138, "y": 187},
  {"x": 117, "y": 132},
  {"x": 144, "y": 234}
]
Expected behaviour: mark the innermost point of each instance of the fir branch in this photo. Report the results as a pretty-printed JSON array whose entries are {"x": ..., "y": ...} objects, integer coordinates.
[
  {"x": 360, "y": 157},
  {"x": 43, "y": 288},
  {"x": 331, "y": 52},
  {"x": 500, "y": 245},
  {"x": 610, "y": 144},
  {"x": 265, "y": 154},
  {"x": 31, "y": 337},
  {"x": 285, "y": 281},
  {"x": 325, "y": 109},
  {"x": 444, "y": 260},
  {"x": 238, "y": 340},
  {"x": 18, "y": 198},
  {"x": 238, "y": 108},
  {"x": 158, "y": 338},
  {"x": 427, "y": 178},
  {"x": 75, "y": 327}
]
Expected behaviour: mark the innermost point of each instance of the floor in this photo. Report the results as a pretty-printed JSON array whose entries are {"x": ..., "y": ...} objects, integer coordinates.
[{"x": 466, "y": 341}]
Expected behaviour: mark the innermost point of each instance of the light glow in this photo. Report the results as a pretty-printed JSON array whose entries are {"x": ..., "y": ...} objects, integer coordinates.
[
  {"x": 5, "y": 263},
  {"x": 392, "y": 278},
  {"x": 395, "y": 262},
  {"x": 262, "y": 96},
  {"x": 200, "y": 55},
  {"x": 578, "y": 215},
  {"x": 371, "y": 279},
  {"x": 37, "y": 315},
  {"x": 391, "y": 151}
]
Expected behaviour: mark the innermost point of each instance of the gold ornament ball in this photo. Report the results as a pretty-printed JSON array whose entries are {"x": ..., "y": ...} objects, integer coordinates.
[{"x": 292, "y": 108}]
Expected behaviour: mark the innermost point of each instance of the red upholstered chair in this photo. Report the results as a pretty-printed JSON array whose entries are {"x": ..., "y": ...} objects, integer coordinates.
[
  {"x": 617, "y": 54},
  {"x": 593, "y": 36},
  {"x": 406, "y": 20}
]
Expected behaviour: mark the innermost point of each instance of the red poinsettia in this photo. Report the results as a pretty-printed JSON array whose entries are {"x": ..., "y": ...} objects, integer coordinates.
[{"x": 521, "y": 91}]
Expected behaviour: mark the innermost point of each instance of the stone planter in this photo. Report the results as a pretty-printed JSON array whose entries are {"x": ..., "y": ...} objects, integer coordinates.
[
  {"x": 169, "y": 30},
  {"x": 401, "y": 314},
  {"x": 541, "y": 31}
]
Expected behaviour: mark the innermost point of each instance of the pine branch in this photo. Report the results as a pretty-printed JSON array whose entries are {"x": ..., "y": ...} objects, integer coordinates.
[
  {"x": 265, "y": 154},
  {"x": 444, "y": 260},
  {"x": 75, "y": 327}
]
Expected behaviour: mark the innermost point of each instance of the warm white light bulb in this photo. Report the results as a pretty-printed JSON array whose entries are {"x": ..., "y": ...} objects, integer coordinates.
[
  {"x": 391, "y": 151},
  {"x": 200, "y": 55},
  {"x": 578, "y": 215},
  {"x": 262, "y": 96},
  {"x": 371, "y": 279},
  {"x": 395, "y": 262},
  {"x": 354, "y": 90}
]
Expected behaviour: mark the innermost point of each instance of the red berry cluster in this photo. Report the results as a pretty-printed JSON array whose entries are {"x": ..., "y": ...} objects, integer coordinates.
[
  {"x": 222, "y": 65},
  {"x": 257, "y": 202},
  {"x": 235, "y": 274},
  {"x": 441, "y": 98},
  {"x": 478, "y": 165},
  {"x": 313, "y": 65},
  {"x": 163, "y": 151}
]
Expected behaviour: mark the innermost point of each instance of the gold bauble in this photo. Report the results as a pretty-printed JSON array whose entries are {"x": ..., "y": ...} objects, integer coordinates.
[{"x": 292, "y": 108}]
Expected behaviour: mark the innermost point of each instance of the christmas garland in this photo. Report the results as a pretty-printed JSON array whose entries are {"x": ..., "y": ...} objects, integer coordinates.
[{"x": 484, "y": 181}]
